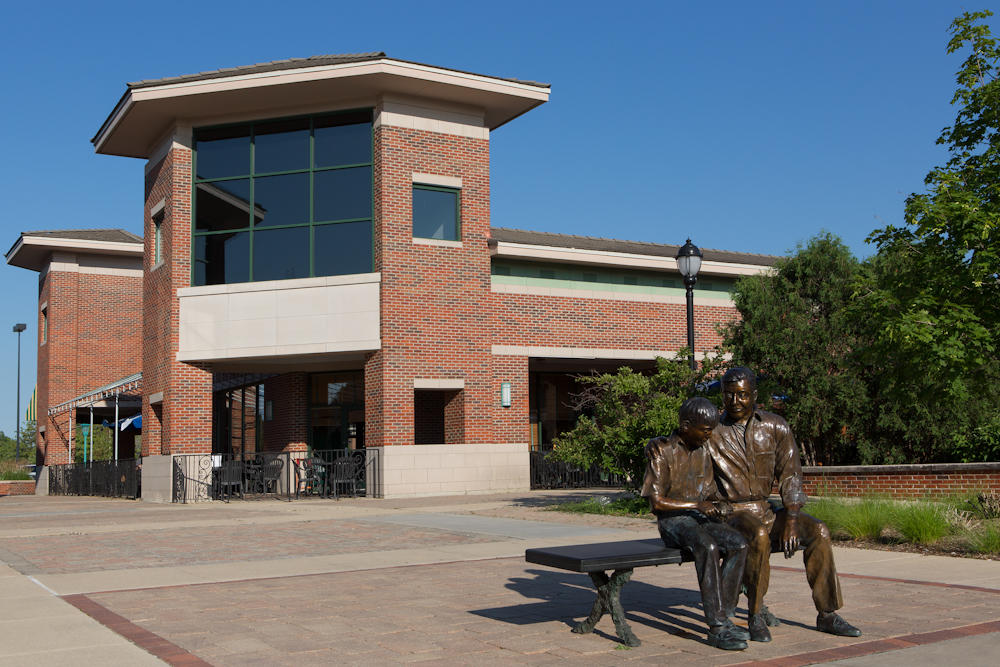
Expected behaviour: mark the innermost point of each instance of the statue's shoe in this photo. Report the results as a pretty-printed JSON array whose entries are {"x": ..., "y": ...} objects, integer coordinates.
[
  {"x": 833, "y": 624},
  {"x": 737, "y": 631},
  {"x": 758, "y": 628},
  {"x": 726, "y": 637}
]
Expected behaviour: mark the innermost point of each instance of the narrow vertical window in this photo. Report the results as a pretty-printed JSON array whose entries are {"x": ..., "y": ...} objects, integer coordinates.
[
  {"x": 45, "y": 325},
  {"x": 157, "y": 238}
]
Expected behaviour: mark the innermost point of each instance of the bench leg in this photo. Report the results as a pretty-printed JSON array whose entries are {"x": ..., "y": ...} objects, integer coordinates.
[{"x": 609, "y": 602}]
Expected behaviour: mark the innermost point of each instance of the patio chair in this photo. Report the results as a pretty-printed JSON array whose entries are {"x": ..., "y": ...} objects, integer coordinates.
[
  {"x": 270, "y": 473},
  {"x": 345, "y": 475},
  {"x": 230, "y": 478}
]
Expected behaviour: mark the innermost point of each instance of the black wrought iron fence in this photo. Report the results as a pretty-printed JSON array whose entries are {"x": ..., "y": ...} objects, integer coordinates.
[
  {"x": 550, "y": 474},
  {"x": 285, "y": 475},
  {"x": 112, "y": 479},
  {"x": 197, "y": 477}
]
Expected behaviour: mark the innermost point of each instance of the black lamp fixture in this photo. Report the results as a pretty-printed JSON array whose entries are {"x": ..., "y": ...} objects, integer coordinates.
[
  {"x": 18, "y": 328},
  {"x": 688, "y": 263}
]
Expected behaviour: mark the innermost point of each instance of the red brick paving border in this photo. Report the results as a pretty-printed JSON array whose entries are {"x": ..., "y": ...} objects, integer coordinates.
[
  {"x": 879, "y": 646},
  {"x": 165, "y": 650}
]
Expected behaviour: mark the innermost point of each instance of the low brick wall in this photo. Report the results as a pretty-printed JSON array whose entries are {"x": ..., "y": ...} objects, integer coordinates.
[
  {"x": 902, "y": 481},
  {"x": 17, "y": 488}
]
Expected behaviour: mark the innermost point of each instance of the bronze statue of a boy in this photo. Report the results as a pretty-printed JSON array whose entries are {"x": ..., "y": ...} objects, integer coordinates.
[{"x": 680, "y": 487}]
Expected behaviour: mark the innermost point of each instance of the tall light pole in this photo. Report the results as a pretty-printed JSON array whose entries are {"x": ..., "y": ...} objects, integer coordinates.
[
  {"x": 688, "y": 263},
  {"x": 18, "y": 328}
]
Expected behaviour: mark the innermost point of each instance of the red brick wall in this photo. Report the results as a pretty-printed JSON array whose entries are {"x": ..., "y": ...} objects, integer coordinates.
[
  {"x": 603, "y": 323},
  {"x": 17, "y": 488},
  {"x": 288, "y": 430},
  {"x": 183, "y": 425},
  {"x": 94, "y": 322},
  {"x": 902, "y": 481},
  {"x": 435, "y": 300}
]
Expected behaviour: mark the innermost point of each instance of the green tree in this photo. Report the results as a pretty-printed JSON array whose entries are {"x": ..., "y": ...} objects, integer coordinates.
[
  {"x": 623, "y": 410},
  {"x": 8, "y": 444},
  {"x": 103, "y": 443},
  {"x": 931, "y": 295},
  {"x": 795, "y": 332}
]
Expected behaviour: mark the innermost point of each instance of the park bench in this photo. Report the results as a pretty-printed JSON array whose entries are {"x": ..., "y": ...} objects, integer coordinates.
[{"x": 620, "y": 558}]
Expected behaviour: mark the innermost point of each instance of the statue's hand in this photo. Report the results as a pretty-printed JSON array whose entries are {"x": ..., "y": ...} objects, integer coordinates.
[
  {"x": 790, "y": 536},
  {"x": 708, "y": 509}
]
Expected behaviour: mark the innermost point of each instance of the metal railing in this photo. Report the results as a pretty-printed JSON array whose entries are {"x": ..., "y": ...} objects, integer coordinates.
[
  {"x": 284, "y": 475},
  {"x": 112, "y": 479},
  {"x": 547, "y": 473}
]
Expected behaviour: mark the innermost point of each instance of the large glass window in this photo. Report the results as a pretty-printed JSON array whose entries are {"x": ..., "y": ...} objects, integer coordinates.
[{"x": 282, "y": 199}]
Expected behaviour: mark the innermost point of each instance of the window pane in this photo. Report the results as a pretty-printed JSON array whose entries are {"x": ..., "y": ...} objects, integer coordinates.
[
  {"x": 281, "y": 146},
  {"x": 342, "y": 248},
  {"x": 280, "y": 254},
  {"x": 345, "y": 388},
  {"x": 281, "y": 200},
  {"x": 223, "y": 152},
  {"x": 222, "y": 205},
  {"x": 342, "y": 194},
  {"x": 343, "y": 139},
  {"x": 435, "y": 214},
  {"x": 222, "y": 258}
]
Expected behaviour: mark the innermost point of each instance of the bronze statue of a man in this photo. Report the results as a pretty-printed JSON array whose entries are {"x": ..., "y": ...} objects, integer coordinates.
[{"x": 751, "y": 450}]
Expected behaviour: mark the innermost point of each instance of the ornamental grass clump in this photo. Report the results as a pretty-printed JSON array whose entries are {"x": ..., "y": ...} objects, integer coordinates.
[
  {"x": 921, "y": 522},
  {"x": 868, "y": 518},
  {"x": 986, "y": 539},
  {"x": 11, "y": 471}
]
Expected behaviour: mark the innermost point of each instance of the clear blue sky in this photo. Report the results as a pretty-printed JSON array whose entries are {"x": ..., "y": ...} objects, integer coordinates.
[{"x": 748, "y": 126}]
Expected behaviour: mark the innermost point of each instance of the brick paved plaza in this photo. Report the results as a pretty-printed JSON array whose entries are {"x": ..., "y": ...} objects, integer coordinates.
[{"x": 439, "y": 581}]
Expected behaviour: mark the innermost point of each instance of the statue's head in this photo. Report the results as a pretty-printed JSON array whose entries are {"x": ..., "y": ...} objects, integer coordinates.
[
  {"x": 739, "y": 392},
  {"x": 698, "y": 416}
]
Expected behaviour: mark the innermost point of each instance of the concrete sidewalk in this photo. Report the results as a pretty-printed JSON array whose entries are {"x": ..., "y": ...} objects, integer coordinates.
[{"x": 426, "y": 580}]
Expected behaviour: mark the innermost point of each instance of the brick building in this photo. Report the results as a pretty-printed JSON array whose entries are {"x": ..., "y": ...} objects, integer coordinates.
[{"x": 319, "y": 270}]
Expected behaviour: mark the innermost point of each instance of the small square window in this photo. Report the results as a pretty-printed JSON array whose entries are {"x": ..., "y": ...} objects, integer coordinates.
[{"x": 436, "y": 213}]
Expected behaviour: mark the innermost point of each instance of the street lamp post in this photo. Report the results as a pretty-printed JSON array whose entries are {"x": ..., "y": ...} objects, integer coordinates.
[
  {"x": 18, "y": 328},
  {"x": 688, "y": 263}
]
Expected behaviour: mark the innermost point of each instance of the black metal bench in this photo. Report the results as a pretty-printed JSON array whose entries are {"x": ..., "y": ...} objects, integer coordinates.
[{"x": 596, "y": 560}]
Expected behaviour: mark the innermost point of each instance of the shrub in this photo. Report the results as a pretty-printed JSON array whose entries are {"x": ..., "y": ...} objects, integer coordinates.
[{"x": 921, "y": 522}]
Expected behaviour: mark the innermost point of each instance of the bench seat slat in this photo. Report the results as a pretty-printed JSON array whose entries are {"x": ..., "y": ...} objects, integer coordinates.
[{"x": 605, "y": 555}]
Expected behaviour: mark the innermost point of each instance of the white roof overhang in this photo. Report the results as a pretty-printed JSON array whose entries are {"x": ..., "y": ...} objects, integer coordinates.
[
  {"x": 32, "y": 252},
  {"x": 144, "y": 114}
]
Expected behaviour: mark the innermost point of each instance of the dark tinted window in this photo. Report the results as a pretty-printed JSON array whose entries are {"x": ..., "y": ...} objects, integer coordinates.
[
  {"x": 222, "y": 205},
  {"x": 222, "y": 258},
  {"x": 223, "y": 152},
  {"x": 342, "y": 248},
  {"x": 342, "y": 194},
  {"x": 435, "y": 214},
  {"x": 281, "y": 146},
  {"x": 281, "y": 200},
  {"x": 342, "y": 139},
  {"x": 281, "y": 254}
]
